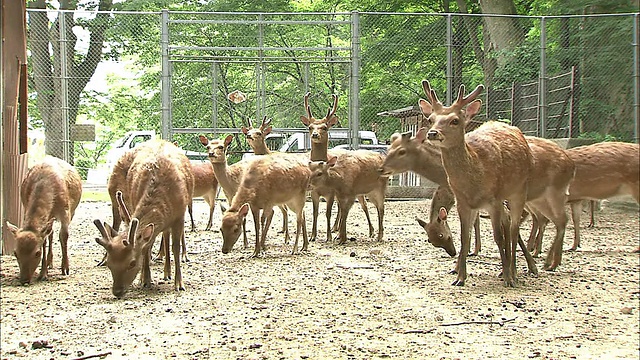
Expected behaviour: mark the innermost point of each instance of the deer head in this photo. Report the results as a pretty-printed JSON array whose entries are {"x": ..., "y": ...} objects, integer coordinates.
[
  {"x": 231, "y": 227},
  {"x": 403, "y": 152},
  {"x": 216, "y": 148},
  {"x": 439, "y": 233},
  {"x": 320, "y": 170},
  {"x": 319, "y": 128},
  {"x": 256, "y": 136},
  {"x": 28, "y": 249},
  {"x": 448, "y": 123}
]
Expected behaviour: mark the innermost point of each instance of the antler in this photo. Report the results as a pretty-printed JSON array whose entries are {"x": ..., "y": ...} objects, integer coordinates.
[
  {"x": 306, "y": 104},
  {"x": 132, "y": 233},
  {"x": 464, "y": 100},
  {"x": 265, "y": 122},
  {"x": 249, "y": 125},
  {"x": 333, "y": 109},
  {"x": 431, "y": 95},
  {"x": 105, "y": 239},
  {"x": 123, "y": 207}
]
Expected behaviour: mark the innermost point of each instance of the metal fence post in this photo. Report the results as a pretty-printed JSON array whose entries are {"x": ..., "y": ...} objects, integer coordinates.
[
  {"x": 64, "y": 88},
  {"x": 214, "y": 96},
  {"x": 636, "y": 76},
  {"x": 542, "y": 85},
  {"x": 449, "y": 59},
  {"x": 355, "y": 77},
  {"x": 166, "y": 76}
]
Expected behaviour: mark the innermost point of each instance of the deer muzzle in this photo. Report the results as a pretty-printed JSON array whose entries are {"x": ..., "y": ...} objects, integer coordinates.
[{"x": 433, "y": 135}]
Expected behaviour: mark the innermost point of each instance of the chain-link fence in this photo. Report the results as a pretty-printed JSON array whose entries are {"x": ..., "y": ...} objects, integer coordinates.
[{"x": 574, "y": 76}]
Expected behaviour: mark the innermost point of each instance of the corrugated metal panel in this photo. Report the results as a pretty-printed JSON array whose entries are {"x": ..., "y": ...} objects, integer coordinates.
[{"x": 15, "y": 166}]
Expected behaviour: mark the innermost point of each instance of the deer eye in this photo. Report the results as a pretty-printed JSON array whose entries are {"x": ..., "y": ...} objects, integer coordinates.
[
  {"x": 455, "y": 122},
  {"x": 132, "y": 264},
  {"x": 402, "y": 152},
  {"x": 440, "y": 236}
]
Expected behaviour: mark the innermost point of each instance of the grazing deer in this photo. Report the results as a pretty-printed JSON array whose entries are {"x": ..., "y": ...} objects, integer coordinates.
[
  {"x": 407, "y": 153},
  {"x": 485, "y": 167},
  {"x": 50, "y": 191},
  {"x": 159, "y": 185},
  {"x": 229, "y": 177},
  {"x": 603, "y": 170},
  {"x": 256, "y": 139},
  {"x": 268, "y": 181},
  {"x": 350, "y": 174},
  {"x": 319, "y": 133}
]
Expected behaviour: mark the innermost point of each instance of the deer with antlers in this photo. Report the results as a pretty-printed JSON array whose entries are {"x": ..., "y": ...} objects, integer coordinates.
[
  {"x": 319, "y": 133},
  {"x": 160, "y": 187},
  {"x": 414, "y": 153},
  {"x": 50, "y": 191},
  {"x": 485, "y": 167},
  {"x": 256, "y": 137}
]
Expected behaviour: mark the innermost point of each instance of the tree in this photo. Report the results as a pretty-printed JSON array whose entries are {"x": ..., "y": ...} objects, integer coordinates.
[{"x": 49, "y": 42}]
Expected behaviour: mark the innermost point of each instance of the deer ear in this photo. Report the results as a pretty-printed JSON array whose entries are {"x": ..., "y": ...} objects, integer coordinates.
[
  {"x": 473, "y": 108},
  {"x": 421, "y": 223},
  {"x": 147, "y": 234},
  {"x": 332, "y": 121},
  {"x": 426, "y": 108},
  {"x": 223, "y": 208},
  {"x": 332, "y": 161},
  {"x": 203, "y": 140},
  {"x": 113, "y": 232},
  {"x": 442, "y": 214},
  {"x": 14, "y": 229},
  {"x": 421, "y": 135},
  {"x": 228, "y": 140},
  {"x": 267, "y": 131},
  {"x": 244, "y": 210},
  {"x": 305, "y": 120},
  {"x": 244, "y": 130}
]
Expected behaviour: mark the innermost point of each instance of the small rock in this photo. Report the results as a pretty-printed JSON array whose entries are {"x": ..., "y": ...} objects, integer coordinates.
[
  {"x": 626, "y": 310},
  {"x": 353, "y": 254},
  {"x": 39, "y": 344},
  {"x": 534, "y": 354},
  {"x": 22, "y": 344},
  {"x": 375, "y": 251},
  {"x": 255, "y": 346}
]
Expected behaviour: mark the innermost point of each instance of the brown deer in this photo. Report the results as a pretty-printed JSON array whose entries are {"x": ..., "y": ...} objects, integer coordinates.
[
  {"x": 350, "y": 174},
  {"x": 160, "y": 185},
  {"x": 603, "y": 170},
  {"x": 268, "y": 181},
  {"x": 413, "y": 153},
  {"x": 50, "y": 191},
  {"x": 205, "y": 186},
  {"x": 256, "y": 137},
  {"x": 229, "y": 177},
  {"x": 485, "y": 167},
  {"x": 319, "y": 133}
]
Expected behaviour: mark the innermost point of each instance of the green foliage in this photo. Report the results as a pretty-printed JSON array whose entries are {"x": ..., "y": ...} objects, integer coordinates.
[{"x": 598, "y": 137}]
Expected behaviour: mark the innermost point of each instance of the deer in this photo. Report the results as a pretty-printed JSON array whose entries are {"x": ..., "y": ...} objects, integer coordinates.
[
  {"x": 159, "y": 186},
  {"x": 50, "y": 191},
  {"x": 229, "y": 177},
  {"x": 603, "y": 170},
  {"x": 350, "y": 174},
  {"x": 319, "y": 134},
  {"x": 485, "y": 168},
  {"x": 256, "y": 139},
  {"x": 205, "y": 186},
  {"x": 268, "y": 181},
  {"x": 414, "y": 153}
]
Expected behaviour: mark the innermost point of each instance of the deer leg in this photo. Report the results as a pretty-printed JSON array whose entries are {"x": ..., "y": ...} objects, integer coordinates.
[
  {"x": 267, "y": 217},
  {"x": 344, "y": 205},
  {"x": 555, "y": 211},
  {"x": 576, "y": 209},
  {"x": 212, "y": 206},
  {"x": 315, "y": 201},
  {"x": 64, "y": 237},
  {"x": 592, "y": 205},
  {"x": 378, "y": 201},
  {"x": 511, "y": 244},
  {"x": 466, "y": 218},
  {"x": 244, "y": 231},
  {"x": 184, "y": 249},
  {"x": 164, "y": 245},
  {"x": 146, "y": 268},
  {"x": 177, "y": 235},
  {"x": 285, "y": 223},
  {"x": 190, "y": 209},
  {"x": 531, "y": 263},
  {"x": 476, "y": 230},
  {"x": 256, "y": 221},
  {"x": 43, "y": 267},
  {"x": 330, "y": 201},
  {"x": 161, "y": 250},
  {"x": 363, "y": 204}
]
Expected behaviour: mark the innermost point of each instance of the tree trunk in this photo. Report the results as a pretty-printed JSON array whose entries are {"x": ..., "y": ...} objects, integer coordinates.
[{"x": 505, "y": 33}]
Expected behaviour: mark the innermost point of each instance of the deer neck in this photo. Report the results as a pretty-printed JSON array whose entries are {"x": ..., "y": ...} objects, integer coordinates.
[
  {"x": 461, "y": 165},
  {"x": 261, "y": 149},
  {"x": 319, "y": 152},
  {"x": 220, "y": 170},
  {"x": 38, "y": 210},
  {"x": 428, "y": 164}
]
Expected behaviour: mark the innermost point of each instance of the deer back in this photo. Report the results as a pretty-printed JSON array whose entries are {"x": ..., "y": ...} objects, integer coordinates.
[
  {"x": 552, "y": 167},
  {"x": 604, "y": 170},
  {"x": 51, "y": 190}
]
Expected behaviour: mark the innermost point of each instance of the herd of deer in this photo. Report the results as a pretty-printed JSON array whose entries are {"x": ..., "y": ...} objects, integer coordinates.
[{"x": 494, "y": 167}]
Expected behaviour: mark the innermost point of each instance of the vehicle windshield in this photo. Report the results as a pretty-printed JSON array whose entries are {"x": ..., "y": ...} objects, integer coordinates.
[{"x": 120, "y": 142}]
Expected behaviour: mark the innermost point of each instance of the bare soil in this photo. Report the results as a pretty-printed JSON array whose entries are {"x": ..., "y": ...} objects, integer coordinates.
[{"x": 362, "y": 300}]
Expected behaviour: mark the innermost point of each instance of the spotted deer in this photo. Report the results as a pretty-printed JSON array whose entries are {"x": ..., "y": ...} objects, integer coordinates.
[
  {"x": 159, "y": 184},
  {"x": 485, "y": 167},
  {"x": 414, "y": 153},
  {"x": 50, "y": 191},
  {"x": 319, "y": 134},
  {"x": 602, "y": 170},
  {"x": 268, "y": 181},
  {"x": 256, "y": 139}
]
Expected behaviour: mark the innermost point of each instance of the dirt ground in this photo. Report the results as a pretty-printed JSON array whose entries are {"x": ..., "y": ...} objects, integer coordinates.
[{"x": 362, "y": 300}]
